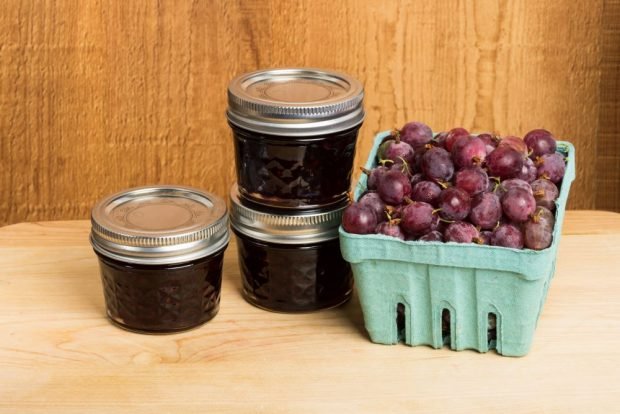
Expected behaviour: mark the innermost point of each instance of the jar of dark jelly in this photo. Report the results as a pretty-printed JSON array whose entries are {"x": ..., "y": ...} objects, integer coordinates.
[
  {"x": 290, "y": 262},
  {"x": 160, "y": 253},
  {"x": 295, "y": 132}
]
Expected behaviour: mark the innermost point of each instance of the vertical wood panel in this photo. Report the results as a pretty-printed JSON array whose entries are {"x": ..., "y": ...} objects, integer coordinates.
[
  {"x": 98, "y": 96},
  {"x": 608, "y": 152}
]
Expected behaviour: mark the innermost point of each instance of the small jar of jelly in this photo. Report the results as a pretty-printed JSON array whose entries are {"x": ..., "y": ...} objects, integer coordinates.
[
  {"x": 295, "y": 132},
  {"x": 290, "y": 262},
  {"x": 160, "y": 251}
]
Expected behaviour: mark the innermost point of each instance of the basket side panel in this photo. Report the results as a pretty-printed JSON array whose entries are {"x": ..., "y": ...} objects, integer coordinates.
[
  {"x": 375, "y": 295},
  {"x": 381, "y": 285},
  {"x": 516, "y": 303},
  {"x": 469, "y": 294}
]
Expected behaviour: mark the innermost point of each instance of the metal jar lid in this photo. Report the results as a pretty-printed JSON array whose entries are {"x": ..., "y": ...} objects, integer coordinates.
[
  {"x": 159, "y": 225},
  {"x": 295, "y": 102},
  {"x": 274, "y": 227}
]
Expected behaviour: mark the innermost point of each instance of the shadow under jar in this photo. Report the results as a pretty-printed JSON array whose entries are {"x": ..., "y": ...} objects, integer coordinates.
[
  {"x": 160, "y": 253},
  {"x": 295, "y": 132},
  {"x": 290, "y": 262}
]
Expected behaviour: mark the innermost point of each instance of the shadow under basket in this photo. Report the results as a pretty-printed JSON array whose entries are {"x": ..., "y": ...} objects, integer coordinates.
[{"x": 465, "y": 296}]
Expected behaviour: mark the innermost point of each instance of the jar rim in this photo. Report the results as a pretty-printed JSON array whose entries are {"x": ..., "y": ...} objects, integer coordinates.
[{"x": 286, "y": 226}]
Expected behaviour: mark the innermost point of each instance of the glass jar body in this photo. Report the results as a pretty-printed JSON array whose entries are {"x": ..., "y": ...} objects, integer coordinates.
[
  {"x": 294, "y": 172},
  {"x": 293, "y": 278},
  {"x": 162, "y": 298}
]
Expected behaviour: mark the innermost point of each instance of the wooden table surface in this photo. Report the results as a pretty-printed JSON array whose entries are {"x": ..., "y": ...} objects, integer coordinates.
[{"x": 58, "y": 353}]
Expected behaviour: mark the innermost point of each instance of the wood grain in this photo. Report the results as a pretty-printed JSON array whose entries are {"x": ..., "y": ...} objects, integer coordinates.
[
  {"x": 59, "y": 354},
  {"x": 103, "y": 95},
  {"x": 608, "y": 151}
]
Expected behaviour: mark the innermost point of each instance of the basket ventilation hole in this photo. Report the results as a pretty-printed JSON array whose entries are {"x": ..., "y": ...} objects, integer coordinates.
[
  {"x": 445, "y": 326},
  {"x": 401, "y": 323},
  {"x": 492, "y": 331}
]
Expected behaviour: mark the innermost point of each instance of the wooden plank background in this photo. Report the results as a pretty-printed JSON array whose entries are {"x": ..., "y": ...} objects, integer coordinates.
[
  {"x": 97, "y": 96},
  {"x": 608, "y": 146}
]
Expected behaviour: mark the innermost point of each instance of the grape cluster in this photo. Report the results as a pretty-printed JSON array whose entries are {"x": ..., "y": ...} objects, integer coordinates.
[{"x": 463, "y": 188}]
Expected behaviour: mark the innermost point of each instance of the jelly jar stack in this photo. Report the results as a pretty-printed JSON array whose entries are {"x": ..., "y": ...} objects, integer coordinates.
[{"x": 295, "y": 132}]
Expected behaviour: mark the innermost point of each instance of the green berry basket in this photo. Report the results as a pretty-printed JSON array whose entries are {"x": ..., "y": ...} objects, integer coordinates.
[{"x": 472, "y": 282}]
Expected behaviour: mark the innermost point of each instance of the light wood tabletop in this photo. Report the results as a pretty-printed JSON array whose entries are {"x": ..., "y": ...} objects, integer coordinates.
[{"x": 59, "y": 353}]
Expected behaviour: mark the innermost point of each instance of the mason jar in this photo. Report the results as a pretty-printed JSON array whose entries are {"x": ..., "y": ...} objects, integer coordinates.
[
  {"x": 290, "y": 262},
  {"x": 160, "y": 251},
  {"x": 295, "y": 132}
]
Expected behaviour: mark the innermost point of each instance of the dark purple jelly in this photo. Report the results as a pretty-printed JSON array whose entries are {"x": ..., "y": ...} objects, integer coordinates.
[
  {"x": 294, "y": 172},
  {"x": 293, "y": 278},
  {"x": 162, "y": 298}
]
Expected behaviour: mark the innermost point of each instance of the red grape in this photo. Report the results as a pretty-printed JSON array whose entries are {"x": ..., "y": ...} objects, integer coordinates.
[
  {"x": 515, "y": 143},
  {"x": 394, "y": 187},
  {"x": 468, "y": 151},
  {"x": 373, "y": 201},
  {"x": 518, "y": 204},
  {"x": 545, "y": 193},
  {"x": 540, "y": 142},
  {"x": 474, "y": 180},
  {"x": 398, "y": 151},
  {"x": 426, "y": 191},
  {"x": 545, "y": 216},
  {"x": 460, "y": 232},
  {"x": 486, "y": 211},
  {"x": 454, "y": 203},
  {"x": 490, "y": 142},
  {"x": 453, "y": 135},
  {"x": 359, "y": 219},
  {"x": 418, "y": 218},
  {"x": 513, "y": 183},
  {"x": 374, "y": 176},
  {"x": 505, "y": 162},
  {"x": 551, "y": 167},
  {"x": 528, "y": 171},
  {"x": 507, "y": 235},
  {"x": 437, "y": 164},
  {"x": 390, "y": 228},
  {"x": 416, "y": 134},
  {"x": 536, "y": 235}
]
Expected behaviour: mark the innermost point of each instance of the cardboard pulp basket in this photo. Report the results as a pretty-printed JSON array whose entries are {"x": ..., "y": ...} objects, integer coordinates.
[{"x": 472, "y": 282}]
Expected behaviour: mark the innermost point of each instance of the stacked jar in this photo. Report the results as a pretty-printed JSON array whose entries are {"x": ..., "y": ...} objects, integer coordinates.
[{"x": 295, "y": 132}]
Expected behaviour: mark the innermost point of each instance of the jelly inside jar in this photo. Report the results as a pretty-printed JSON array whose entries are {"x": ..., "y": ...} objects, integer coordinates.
[
  {"x": 293, "y": 278},
  {"x": 162, "y": 298},
  {"x": 294, "y": 172}
]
